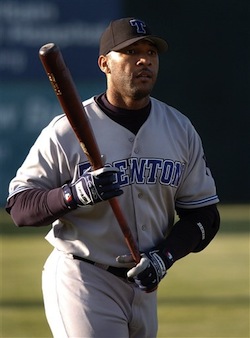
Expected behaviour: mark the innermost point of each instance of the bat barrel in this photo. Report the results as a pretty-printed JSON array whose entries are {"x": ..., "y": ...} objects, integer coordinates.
[{"x": 66, "y": 92}]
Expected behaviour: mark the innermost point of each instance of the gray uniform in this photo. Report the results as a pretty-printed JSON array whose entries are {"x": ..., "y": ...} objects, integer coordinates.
[{"x": 161, "y": 167}]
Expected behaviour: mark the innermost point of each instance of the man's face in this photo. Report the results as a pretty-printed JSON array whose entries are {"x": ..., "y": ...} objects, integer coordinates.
[{"x": 133, "y": 70}]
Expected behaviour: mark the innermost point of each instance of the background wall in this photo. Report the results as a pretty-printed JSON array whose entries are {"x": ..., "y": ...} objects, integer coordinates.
[
  {"x": 27, "y": 101},
  {"x": 205, "y": 74}
]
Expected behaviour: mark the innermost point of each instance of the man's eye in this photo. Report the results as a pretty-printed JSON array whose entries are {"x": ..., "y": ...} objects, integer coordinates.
[
  {"x": 152, "y": 52},
  {"x": 130, "y": 51}
]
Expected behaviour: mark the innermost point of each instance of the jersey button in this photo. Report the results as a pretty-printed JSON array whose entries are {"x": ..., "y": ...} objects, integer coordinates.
[
  {"x": 131, "y": 139},
  {"x": 140, "y": 195},
  {"x": 136, "y": 150},
  {"x": 143, "y": 227}
]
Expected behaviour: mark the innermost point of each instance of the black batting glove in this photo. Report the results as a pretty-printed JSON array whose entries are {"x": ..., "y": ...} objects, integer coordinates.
[
  {"x": 92, "y": 187},
  {"x": 152, "y": 267}
]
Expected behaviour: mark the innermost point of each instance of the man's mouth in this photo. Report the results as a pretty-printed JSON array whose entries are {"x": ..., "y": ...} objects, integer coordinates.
[{"x": 145, "y": 74}]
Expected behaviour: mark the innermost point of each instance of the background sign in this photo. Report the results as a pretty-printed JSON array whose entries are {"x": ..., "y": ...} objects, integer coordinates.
[
  {"x": 27, "y": 101},
  {"x": 74, "y": 25}
]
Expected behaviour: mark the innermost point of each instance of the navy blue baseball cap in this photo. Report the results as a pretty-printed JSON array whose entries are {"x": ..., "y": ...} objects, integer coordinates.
[{"x": 124, "y": 32}]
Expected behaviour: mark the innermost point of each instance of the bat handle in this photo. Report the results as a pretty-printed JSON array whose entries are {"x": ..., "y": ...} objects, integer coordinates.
[{"x": 125, "y": 229}]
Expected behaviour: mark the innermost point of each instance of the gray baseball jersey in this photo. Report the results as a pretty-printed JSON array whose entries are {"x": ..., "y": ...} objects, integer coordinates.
[{"x": 161, "y": 167}]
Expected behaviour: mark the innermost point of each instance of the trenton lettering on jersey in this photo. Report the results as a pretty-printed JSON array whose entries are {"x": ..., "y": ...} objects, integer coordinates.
[{"x": 146, "y": 171}]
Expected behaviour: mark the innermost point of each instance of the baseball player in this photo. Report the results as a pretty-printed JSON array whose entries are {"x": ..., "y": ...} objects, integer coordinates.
[{"x": 154, "y": 164}]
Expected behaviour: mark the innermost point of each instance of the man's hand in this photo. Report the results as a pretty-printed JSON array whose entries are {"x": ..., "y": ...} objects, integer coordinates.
[
  {"x": 152, "y": 267},
  {"x": 92, "y": 187}
]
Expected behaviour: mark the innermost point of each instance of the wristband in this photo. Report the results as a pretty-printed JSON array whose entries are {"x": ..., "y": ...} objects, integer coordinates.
[{"x": 68, "y": 197}]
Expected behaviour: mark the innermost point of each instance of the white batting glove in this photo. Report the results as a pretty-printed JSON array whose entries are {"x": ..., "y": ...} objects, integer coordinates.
[
  {"x": 92, "y": 187},
  {"x": 152, "y": 267}
]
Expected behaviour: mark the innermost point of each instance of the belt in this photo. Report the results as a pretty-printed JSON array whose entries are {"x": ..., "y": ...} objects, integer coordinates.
[{"x": 118, "y": 272}]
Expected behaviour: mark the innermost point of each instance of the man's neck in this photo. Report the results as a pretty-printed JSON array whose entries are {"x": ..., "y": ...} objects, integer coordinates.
[
  {"x": 128, "y": 118},
  {"x": 127, "y": 102}
]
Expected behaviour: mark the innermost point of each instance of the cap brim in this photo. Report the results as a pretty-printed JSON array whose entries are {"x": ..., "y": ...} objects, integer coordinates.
[{"x": 160, "y": 44}]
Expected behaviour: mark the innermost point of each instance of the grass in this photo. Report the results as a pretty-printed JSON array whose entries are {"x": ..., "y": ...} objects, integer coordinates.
[
  {"x": 207, "y": 294},
  {"x": 204, "y": 295}
]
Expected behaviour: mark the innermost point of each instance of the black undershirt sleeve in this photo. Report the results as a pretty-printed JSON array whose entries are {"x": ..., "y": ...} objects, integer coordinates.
[
  {"x": 36, "y": 207},
  {"x": 193, "y": 232}
]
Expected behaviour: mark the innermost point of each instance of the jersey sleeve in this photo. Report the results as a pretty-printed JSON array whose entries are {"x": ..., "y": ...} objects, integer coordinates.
[
  {"x": 40, "y": 167},
  {"x": 198, "y": 186}
]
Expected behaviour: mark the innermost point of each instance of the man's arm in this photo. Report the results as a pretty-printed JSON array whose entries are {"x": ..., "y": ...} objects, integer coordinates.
[
  {"x": 192, "y": 233},
  {"x": 36, "y": 207}
]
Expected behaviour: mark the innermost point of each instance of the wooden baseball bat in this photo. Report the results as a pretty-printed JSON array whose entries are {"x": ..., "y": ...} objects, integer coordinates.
[{"x": 66, "y": 92}]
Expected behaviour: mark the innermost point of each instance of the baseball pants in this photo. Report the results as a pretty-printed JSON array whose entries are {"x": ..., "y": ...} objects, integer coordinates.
[{"x": 85, "y": 301}]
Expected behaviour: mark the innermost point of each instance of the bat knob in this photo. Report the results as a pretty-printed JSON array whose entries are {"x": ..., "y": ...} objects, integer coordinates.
[{"x": 48, "y": 48}]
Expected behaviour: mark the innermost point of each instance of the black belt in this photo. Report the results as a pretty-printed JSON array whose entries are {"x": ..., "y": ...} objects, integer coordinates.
[{"x": 119, "y": 272}]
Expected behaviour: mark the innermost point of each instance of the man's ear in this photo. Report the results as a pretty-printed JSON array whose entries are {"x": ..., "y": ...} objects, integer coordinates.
[{"x": 103, "y": 64}]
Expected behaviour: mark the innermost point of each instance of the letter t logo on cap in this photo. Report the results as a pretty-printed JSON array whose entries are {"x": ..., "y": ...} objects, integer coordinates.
[{"x": 139, "y": 25}]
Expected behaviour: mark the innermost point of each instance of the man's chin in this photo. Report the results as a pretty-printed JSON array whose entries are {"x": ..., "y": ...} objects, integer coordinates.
[{"x": 141, "y": 93}]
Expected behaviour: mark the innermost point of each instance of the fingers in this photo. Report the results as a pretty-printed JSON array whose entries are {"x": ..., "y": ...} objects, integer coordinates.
[
  {"x": 141, "y": 266},
  {"x": 142, "y": 274},
  {"x": 126, "y": 260},
  {"x": 108, "y": 188},
  {"x": 105, "y": 179},
  {"x": 104, "y": 170},
  {"x": 106, "y": 182},
  {"x": 111, "y": 193}
]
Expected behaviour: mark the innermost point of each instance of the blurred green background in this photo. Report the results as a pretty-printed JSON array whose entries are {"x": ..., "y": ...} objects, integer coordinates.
[{"x": 204, "y": 295}]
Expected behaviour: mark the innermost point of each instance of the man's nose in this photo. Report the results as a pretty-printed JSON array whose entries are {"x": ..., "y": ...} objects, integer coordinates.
[{"x": 144, "y": 60}]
